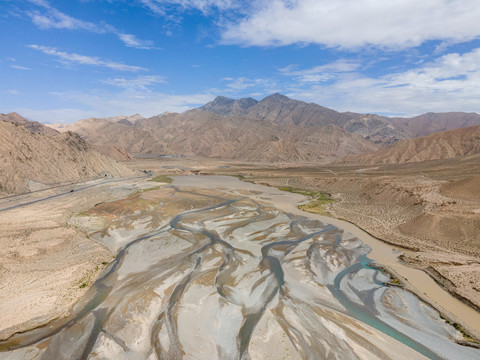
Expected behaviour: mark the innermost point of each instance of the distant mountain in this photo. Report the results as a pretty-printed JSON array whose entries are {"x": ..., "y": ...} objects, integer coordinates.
[
  {"x": 118, "y": 139},
  {"x": 433, "y": 122},
  {"x": 228, "y": 107},
  {"x": 29, "y": 158},
  {"x": 274, "y": 129},
  {"x": 440, "y": 145},
  {"x": 199, "y": 132},
  {"x": 286, "y": 112}
]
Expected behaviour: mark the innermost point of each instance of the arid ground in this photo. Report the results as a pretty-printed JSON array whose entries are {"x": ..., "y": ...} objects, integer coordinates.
[{"x": 54, "y": 250}]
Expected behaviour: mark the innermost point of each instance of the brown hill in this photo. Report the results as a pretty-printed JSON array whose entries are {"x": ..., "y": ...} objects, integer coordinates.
[
  {"x": 199, "y": 132},
  {"x": 33, "y": 126},
  {"x": 28, "y": 158},
  {"x": 118, "y": 137},
  {"x": 114, "y": 152},
  {"x": 434, "y": 122},
  {"x": 465, "y": 189},
  {"x": 441, "y": 145}
]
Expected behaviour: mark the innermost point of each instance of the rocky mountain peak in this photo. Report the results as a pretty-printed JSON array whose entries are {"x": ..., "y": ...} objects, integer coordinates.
[
  {"x": 226, "y": 106},
  {"x": 277, "y": 97}
]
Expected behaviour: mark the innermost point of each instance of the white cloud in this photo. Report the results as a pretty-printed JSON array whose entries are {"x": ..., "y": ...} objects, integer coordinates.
[
  {"x": 13, "y": 92},
  {"x": 138, "y": 83},
  {"x": 341, "y": 65},
  {"x": 205, "y": 6},
  {"x": 19, "y": 67},
  {"x": 85, "y": 60},
  {"x": 321, "y": 73},
  {"x": 242, "y": 83},
  {"x": 53, "y": 18},
  {"x": 450, "y": 83},
  {"x": 153, "y": 6},
  {"x": 132, "y": 41},
  {"x": 355, "y": 23}
]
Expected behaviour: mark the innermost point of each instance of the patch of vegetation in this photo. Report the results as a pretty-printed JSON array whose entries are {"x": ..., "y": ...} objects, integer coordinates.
[
  {"x": 162, "y": 179},
  {"x": 239, "y": 176},
  {"x": 83, "y": 285},
  {"x": 459, "y": 328},
  {"x": 318, "y": 202},
  {"x": 394, "y": 281},
  {"x": 150, "y": 189},
  {"x": 104, "y": 263}
]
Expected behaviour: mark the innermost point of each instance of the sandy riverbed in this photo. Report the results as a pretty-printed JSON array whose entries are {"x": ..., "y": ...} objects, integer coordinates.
[
  {"x": 414, "y": 279},
  {"x": 228, "y": 253}
]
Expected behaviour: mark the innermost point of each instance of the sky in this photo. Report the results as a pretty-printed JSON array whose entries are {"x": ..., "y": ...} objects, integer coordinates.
[{"x": 61, "y": 61}]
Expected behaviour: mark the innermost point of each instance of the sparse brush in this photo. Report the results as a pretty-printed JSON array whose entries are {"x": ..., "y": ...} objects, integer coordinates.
[
  {"x": 162, "y": 178},
  {"x": 318, "y": 202}
]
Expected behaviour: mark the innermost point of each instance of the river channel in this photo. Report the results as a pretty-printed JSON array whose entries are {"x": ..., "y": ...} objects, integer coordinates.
[{"x": 214, "y": 268}]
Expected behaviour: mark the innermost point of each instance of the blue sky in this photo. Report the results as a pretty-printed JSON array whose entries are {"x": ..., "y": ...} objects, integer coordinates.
[{"x": 61, "y": 61}]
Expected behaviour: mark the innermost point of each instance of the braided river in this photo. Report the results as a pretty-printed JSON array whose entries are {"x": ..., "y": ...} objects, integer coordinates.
[{"x": 213, "y": 268}]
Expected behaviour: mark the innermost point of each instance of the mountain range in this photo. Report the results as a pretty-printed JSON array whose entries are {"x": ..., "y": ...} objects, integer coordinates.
[{"x": 274, "y": 129}]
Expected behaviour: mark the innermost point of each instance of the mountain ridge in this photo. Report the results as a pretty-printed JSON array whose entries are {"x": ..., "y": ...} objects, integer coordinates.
[
  {"x": 242, "y": 129},
  {"x": 435, "y": 146},
  {"x": 31, "y": 159}
]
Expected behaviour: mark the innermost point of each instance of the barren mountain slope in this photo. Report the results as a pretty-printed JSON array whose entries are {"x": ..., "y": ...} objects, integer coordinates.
[
  {"x": 204, "y": 133},
  {"x": 465, "y": 189},
  {"x": 434, "y": 122},
  {"x": 442, "y": 145},
  {"x": 332, "y": 141},
  {"x": 33, "y": 126},
  {"x": 115, "y": 137},
  {"x": 286, "y": 112},
  {"x": 114, "y": 152},
  {"x": 27, "y": 157},
  {"x": 229, "y": 107},
  {"x": 199, "y": 132},
  {"x": 374, "y": 128}
]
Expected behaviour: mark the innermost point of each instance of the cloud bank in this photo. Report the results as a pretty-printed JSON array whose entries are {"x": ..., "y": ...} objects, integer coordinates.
[{"x": 395, "y": 24}]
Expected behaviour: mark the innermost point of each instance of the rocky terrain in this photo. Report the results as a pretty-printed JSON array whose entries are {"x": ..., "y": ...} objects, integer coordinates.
[
  {"x": 440, "y": 145},
  {"x": 433, "y": 122},
  {"x": 33, "y": 126},
  {"x": 205, "y": 133},
  {"x": 286, "y": 112},
  {"x": 33, "y": 156}
]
